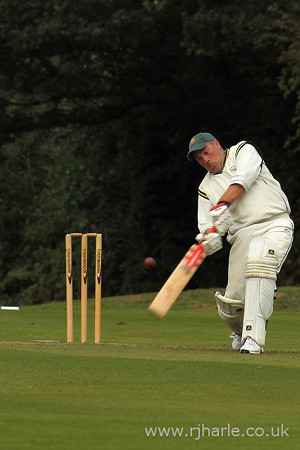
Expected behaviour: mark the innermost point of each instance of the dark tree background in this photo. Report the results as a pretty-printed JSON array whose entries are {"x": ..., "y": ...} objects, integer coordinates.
[{"x": 99, "y": 99}]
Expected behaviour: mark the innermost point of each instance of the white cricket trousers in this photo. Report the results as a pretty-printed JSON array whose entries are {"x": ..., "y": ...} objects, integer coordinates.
[{"x": 278, "y": 230}]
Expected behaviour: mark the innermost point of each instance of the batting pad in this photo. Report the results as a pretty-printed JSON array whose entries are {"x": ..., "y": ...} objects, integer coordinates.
[
  {"x": 261, "y": 275},
  {"x": 231, "y": 311}
]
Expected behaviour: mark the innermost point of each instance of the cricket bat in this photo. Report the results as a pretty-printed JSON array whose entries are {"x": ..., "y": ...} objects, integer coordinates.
[{"x": 177, "y": 281}]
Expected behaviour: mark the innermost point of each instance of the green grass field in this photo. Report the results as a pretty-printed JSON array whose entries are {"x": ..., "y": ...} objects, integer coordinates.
[{"x": 179, "y": 372}]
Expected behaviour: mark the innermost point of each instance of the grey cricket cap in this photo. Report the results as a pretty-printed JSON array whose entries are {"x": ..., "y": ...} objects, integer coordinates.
[{"x": 198, "y": 142}]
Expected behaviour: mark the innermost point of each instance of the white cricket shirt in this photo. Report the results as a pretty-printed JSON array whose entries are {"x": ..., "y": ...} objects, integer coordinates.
[{"x": 263, "y": 200}]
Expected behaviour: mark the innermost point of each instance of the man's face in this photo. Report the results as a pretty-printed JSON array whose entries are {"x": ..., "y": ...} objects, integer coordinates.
[{"x": 211, "y": 157}]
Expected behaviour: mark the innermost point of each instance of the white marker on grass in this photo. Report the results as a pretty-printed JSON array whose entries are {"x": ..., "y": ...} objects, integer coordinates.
[{"x": 10, "y": 308}]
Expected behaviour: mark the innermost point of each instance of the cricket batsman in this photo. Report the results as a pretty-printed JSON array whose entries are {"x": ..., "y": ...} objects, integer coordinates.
[{"x": 240, "y": 197}]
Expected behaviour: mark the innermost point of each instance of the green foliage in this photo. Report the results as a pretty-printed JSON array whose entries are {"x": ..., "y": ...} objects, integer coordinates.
[
  {"x": 98, "y": 102},
  {"x": 285, "y": 31}
]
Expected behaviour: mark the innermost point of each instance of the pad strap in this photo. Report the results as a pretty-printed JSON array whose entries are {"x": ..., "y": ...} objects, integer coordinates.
[{"x": 261, "y": 269}]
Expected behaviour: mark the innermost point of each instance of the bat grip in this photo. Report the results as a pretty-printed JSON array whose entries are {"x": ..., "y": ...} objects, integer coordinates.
[
  {"x": 212, "y": 230},
  {"x": 197, "y": 254},
  {"x": 194, "y": 258}
]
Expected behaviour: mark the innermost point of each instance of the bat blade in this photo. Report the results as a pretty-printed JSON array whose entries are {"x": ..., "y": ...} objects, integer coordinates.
[{"x": 177, "y": 281}]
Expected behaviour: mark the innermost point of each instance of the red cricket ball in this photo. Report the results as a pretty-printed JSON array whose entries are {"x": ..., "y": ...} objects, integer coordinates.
[{"x": 149, "y": 263}]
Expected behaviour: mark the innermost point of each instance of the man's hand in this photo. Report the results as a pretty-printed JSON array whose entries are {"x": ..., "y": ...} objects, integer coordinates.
[
  {"x": 212, "y": 242},
  {"x": 221, "y": 217}
]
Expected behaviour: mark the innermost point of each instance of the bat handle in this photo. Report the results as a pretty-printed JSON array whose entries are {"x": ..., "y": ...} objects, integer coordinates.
[
  {"x": 194, "y": 258},
  {"x": 212, "y": 230},
  {"x": 197, "y": 255}
]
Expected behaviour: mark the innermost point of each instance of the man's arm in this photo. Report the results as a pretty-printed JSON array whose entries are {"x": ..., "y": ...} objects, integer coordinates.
[
  {"x": 234, "y": 192},
  {"x": 220, "y": 213}
]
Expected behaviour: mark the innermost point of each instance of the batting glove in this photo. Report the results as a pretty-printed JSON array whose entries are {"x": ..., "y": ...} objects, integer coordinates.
[
  {"x": 212, "y": 242},
  {"x": 221, "y": 217}
]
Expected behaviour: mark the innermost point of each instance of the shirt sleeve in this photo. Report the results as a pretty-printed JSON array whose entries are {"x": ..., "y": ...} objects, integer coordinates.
[
  {"x": 248, "y": 166},
  {"x": 204, "y": 217}
]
